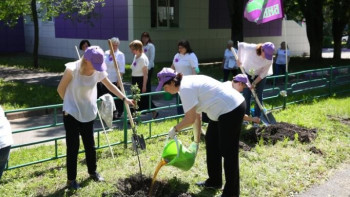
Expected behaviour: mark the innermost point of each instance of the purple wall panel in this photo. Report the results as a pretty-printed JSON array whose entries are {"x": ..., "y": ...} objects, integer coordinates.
[
  {"x": 112, "y": 21},
  {"x": 12, "y": 39},
  {"x": 219, "y": 17},
  {"x": 272, "y": 28}
]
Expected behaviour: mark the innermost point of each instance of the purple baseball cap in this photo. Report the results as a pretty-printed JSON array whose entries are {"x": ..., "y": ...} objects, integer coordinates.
[
  {"x": 95, "y": 55},
  {"x": 269, "y": 49},
  {"x": 242, "y": 78},
  {"x": 165, "y": 75}
]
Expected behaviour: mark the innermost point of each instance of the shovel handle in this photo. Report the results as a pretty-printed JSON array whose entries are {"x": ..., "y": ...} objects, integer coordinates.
[
  {"x": 252, "y": 90},
  {"x": 120, "y": 83}
]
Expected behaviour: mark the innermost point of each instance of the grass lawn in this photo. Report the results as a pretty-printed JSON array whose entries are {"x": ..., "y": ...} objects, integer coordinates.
[{"x": 282, "y": 169}]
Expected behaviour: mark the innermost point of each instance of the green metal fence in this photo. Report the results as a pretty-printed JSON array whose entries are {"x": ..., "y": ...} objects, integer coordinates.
[{"x": 313, "y": 83}]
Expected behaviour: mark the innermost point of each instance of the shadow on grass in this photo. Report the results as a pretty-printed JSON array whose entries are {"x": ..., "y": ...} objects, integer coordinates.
[{"x": 64, "y": 191}]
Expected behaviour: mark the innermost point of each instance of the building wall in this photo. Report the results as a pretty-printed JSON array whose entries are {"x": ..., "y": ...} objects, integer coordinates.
[
  {"x": 12, "y": 39},
  {"x": 59, "y": 38},
  {"x": 293, "y": 33},
  {"x": 206, "y": 31},
  {"x": 194, "y": 26}
]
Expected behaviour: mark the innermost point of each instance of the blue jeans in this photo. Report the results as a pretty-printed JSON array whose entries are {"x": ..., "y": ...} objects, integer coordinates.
[
  {"x": 4, "y": 155},
  {"x": 248, "y": 95}
]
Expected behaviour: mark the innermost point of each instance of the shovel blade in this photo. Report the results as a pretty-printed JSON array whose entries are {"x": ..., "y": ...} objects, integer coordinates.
[
  {"x": 267, "y": 118},
  {"x": 138, "y": 142}
]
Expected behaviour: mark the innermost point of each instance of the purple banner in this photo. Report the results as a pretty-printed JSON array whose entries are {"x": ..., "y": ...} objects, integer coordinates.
[{"x": 263, "y": 11}]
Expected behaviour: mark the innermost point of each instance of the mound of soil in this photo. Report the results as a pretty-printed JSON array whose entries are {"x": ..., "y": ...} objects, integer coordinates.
[
  {"x": 139, "y": 186},
  {"x": 280, "y": 131}
]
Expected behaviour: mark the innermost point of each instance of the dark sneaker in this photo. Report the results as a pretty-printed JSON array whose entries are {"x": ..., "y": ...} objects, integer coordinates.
[
  {"x": 72, "y": 184},
  {"x": 204, "y": 184},
  {"x": 97, "y": 177}
]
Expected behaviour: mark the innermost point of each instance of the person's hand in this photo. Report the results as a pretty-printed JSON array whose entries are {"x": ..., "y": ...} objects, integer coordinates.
[
  {"x": 256, "y": 120},
  {"x": 239, "y": 63},
  {"x": 129, "y": 101},
  {"x": 143, "y": 89},
  {"x": 172, "y": 132}
]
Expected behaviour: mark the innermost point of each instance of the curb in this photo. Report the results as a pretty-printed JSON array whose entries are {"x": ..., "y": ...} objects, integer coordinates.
[{"x": 27, "y": 114}]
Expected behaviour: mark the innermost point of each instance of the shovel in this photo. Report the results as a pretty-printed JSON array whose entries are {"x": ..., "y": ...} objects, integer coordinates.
[
  {"x": 267, "y": 118},
  {"x": 137, "y": 140}
]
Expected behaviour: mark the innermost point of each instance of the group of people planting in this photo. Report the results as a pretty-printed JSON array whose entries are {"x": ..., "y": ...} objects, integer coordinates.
[{"x": 222, "y": 102}]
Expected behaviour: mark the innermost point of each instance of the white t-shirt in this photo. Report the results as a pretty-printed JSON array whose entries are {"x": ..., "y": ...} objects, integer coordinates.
[
  {"x": 252, "y": 63},
  {"x": 150, "y": 52},
  {"x": 184, "y": 63},
  {"x": 112, "y": 73},
  {"x": 81, "y": 93},
  {"x": 138, "y": 64},
  {"x": 281, "y": 56},
  {"x": 230, "y": 61},
  {"x": 208, "y": 95},
  {"x": 5, "y": 131}
]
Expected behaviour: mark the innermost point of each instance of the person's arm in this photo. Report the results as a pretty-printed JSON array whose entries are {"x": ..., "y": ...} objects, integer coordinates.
[
  {"x": 152, "y": 53},
  {"x": 197, "y": 128},
  {"x": 145, "y": 78},
  {"x": 188, "y": 120},
  {"x": 194, "y": 63},
  {"x": 172, "y": 66},
  {"x": 109, "y": 85},
  {"x": 251, "y": 119},
  {"x": 66, "y": 79},
  {"x": 121, "y": 64},
  {"x": 256, "y": 81}
]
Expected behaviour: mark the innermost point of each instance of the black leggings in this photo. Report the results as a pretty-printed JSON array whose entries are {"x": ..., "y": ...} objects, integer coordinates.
[
  {"x": 73, "y": 128},
  {"x": 222, "y": 140}
]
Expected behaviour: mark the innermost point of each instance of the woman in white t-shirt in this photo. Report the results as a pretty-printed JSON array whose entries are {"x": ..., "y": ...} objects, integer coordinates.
[
  {"x": 185, "y": 61},
  {"x": 256, "y": 60},
  {"x": 229, "y": 62},
  {"x": 281, "y": 59},
  {"x": 150, "y": 51},
  {"x": 78, "y": 90},
  {"x": 5, "y": 140},
  {"x": 225, "y": 107},
  {"x": 112, "y": 75},
  {"x": 139, "y": 74}
]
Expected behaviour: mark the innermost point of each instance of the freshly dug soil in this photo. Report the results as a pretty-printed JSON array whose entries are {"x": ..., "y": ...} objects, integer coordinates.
[
  {"x": 278, "y": 132},
  {"x": 137, "y": 186}
]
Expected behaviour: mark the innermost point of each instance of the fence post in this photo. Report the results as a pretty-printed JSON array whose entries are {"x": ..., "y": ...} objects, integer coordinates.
[{"x": 330, "y": 81}]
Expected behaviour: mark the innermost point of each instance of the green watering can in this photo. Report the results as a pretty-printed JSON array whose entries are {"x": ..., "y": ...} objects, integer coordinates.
[{"x": 177, "y": 155}]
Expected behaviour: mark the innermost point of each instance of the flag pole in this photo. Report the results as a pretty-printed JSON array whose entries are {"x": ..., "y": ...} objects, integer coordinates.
[{"x": 286, "y": 54}]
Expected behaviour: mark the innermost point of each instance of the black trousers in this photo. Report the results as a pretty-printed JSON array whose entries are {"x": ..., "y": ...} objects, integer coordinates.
[
  {"x": 222, "y": 140},
  {"x": 73, "y": 128},
  {"x": 227, "y": 73},
  {"x": 149, "y": 80},
  {"x": 101, "y": 90},
  {"x": 144, "y": 100}
]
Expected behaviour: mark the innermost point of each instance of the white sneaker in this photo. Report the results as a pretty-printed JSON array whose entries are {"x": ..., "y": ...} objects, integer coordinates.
[
  {"x": 245, "y": 123},
  {"x": 255, "y": 125}
]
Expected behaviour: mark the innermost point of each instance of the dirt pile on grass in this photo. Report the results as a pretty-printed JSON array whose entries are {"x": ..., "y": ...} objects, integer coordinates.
[
  {"x": 139, "y": 186},
  {"x": 280, "y": 131}
]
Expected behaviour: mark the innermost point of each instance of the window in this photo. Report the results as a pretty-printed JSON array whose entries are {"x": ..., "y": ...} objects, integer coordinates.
[{"x": 164, "y": 13}]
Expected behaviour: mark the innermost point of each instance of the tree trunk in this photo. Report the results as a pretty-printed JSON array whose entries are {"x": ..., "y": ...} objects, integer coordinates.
[
  {"x": 339, "y": 22},
  {"x": 314, "y": 28},
  {"x": 36, "y": 34},
  {"x": 236, "y": 8}
]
